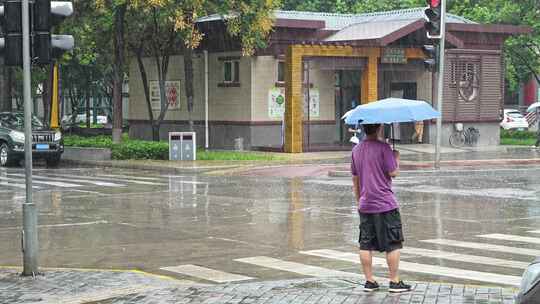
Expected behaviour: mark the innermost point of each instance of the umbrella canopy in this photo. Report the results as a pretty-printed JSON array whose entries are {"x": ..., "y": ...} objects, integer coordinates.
[
  {"x": 391, "y": 110},
  {"x": 348, "y": 113},
  {"x": 533, "y": 107}
]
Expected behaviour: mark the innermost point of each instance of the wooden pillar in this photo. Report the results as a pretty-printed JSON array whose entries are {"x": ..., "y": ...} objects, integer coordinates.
[
  {"x": 369, "y": 81},
  {"x": 294, "y": 106}
]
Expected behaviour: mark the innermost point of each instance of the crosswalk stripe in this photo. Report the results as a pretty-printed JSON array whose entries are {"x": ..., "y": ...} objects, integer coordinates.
[
  {"x": 131, "y": 177},
  {"x": 438, "y": 254},
  {"x": 206, "y": 273},
  {"x": 423, "y": 268},
  {"x": 534, "y": 231},
  {"x": 298, "y": 268},
  {"x": 78, "y": 180},
  {"x": 482, "y": 246},
  {"x": 510, "y": 237},
  {"x": 17, "y": 185},
  {"x": 56, "y": 184},
  {"x": 109, "y": 179}
]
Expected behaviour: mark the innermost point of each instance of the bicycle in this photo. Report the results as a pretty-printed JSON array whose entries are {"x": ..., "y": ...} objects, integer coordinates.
[{"x": 462, "y": 137}]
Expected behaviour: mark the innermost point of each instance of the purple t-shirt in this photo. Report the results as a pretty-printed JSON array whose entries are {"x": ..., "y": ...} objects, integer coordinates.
[{"x": 372, "y": 160}]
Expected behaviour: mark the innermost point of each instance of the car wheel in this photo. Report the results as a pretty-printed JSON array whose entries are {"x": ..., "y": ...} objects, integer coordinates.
[
  {"x": 5, "y": 158},
  {"x": 53, "y": 161}
]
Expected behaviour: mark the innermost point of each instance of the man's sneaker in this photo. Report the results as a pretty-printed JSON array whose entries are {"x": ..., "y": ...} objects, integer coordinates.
[
  {"x": 399, "y": 287},
  {"x": 371, "y": 286}
]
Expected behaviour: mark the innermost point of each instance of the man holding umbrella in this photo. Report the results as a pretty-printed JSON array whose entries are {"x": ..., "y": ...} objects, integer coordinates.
[{"x": 373, "y": 166}]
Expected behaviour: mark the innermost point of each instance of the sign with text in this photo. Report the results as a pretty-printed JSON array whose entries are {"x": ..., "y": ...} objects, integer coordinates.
[
  {"x": 276, "y": 102},
  {"x": 394, "y": 56}
]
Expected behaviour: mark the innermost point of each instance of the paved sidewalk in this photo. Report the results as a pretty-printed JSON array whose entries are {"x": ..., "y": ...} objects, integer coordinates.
[{"x": 108, "y": 287}]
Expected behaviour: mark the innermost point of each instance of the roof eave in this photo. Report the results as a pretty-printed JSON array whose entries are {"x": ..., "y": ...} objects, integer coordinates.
[{"x": 503, "y": 29}]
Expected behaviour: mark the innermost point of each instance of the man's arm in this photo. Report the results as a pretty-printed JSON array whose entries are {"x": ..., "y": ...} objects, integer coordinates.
[
  {"x": 356, "y": 187},
  {"x": 395, "y": 173}
]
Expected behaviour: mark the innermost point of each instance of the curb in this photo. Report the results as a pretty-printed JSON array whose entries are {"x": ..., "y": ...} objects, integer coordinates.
[
  {"x": 160, "y": 169},
  {"x": 445, "y": 165}
]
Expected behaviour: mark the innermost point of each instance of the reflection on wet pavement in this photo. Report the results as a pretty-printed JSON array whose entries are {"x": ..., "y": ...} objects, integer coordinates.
[{"x": 216, "y": 224}]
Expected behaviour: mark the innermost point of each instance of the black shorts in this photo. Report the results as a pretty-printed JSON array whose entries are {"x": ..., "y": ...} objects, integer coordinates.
[{"x": 381, "y": 231}]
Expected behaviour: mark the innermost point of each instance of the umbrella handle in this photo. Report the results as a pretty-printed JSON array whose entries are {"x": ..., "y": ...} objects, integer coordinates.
[{"x": 393, "y": 141}]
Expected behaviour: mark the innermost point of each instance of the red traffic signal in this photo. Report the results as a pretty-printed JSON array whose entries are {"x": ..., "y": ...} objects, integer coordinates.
[{"x": 433, "y": 15}]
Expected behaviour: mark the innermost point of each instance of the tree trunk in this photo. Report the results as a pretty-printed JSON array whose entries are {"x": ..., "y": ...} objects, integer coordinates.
[
  {"x": 87, "y": 99},
  {"x": 155, "y": 131},
  {"x": 46, "y": 96},
  {"x": 188, "y": 68},
  {"x": 118, "y": 67}
]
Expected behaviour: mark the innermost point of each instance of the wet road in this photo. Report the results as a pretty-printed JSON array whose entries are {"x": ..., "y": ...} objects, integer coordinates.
[{"x": 476, "y": 226}]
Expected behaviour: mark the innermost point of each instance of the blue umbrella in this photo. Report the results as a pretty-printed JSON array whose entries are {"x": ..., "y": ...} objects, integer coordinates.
[{"x": 391, "y": 110}]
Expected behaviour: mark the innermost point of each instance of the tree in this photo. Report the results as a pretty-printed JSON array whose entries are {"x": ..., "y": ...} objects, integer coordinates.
[{"x": 158, "y": 38}]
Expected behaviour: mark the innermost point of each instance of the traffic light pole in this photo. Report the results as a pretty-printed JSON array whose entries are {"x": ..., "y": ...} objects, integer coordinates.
[
  {"x": 440, "y": 85},
  {"x": 29, "y": 233}
]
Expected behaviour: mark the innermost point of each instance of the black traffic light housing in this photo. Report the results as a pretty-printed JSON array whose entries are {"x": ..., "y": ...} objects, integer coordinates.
[
  {"x": 433, "y": 19},
  {"x": 10, "y": 12},
  {"x": 44, "y": 15},
  {"x": 432, "y": 54}
]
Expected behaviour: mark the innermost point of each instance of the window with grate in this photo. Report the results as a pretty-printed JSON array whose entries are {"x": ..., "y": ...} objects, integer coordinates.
[{"x": 465, "y": 77}]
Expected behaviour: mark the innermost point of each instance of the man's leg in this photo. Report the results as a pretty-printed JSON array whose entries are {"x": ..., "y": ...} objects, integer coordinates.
[
  {"x": 392, "y": 259},
  {"x": 366, "y": 260}
]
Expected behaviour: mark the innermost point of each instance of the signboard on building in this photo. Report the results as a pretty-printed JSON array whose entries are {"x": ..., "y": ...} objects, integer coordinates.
[
  {"x": 172, "y": 94},
  {"x": 276, "y": 103},
  {"x": 314, "y": 103},
  {"x": 394, "y": 56}
]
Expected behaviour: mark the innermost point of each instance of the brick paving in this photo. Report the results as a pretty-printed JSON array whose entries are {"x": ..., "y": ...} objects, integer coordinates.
[{"x": 112, "y": 287}]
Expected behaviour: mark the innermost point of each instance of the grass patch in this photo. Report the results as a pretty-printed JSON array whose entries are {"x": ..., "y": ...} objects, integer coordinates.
[
  {"x": 142, "y": 149},
  {"x": 518, "y": 138},
  {"x": 230, "y": 155},
  {"x": 517, "y": 142}
]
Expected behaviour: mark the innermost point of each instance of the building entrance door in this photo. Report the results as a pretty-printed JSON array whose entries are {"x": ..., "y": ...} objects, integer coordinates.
[
  {"x": 347, "y": 98},
  {"x": 403, "y": 132}
]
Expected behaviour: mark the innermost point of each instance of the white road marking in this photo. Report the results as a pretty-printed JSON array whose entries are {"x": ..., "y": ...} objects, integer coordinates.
[
  {"x": 438, "y": 254},
  {"x": 109, "y": 179},
  {"x": 532, "y": 231},
  {"x": 510, "y": 237},
  {"x": 206, "y": 273},
  {"x": 482, "y": 246},
  {"x": 56, "y": 184},
  {"x": 77, "y": 180},
  {"x": 131, "y": 177},
  {"x": 60, "y": 225},
  {"x": 17, "y": 185},
  {"x": 306, "y": 270},
  {"x": 423, "y": 268}
]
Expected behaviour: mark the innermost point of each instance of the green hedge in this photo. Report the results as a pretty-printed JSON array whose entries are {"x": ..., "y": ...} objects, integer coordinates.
[
  {"x": 140, "y": 149},
  {"x": 156, "y": 150},
  {"x": 517, "y": 134},
  {"x": 101, "y": 141}
]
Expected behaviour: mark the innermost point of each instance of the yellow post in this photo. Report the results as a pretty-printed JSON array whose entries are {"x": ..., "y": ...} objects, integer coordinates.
[
  {"x": 369, "y": 85},
  {"x": 54, "y": 98},
  {"x": 294, "y": 105}
]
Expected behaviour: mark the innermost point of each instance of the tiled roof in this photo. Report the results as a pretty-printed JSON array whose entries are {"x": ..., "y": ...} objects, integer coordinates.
[
  {"x": 340, "y": 21},
  {"x": 369, "y": 30}
]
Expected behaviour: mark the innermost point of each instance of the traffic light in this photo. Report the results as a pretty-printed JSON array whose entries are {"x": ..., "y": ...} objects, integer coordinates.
[
  {"x": 433, "y": 23},
  {"x": 44, "y": 15},
  {"x": 11, "y": 40},
  {"x": 431, "y": 62},
  {"x": 47, "y": 14}
]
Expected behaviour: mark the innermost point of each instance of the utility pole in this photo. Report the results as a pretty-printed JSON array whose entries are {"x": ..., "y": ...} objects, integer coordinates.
[
  {"x": 440, "y": 85},
  {"x": 29, "y": 233}
]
